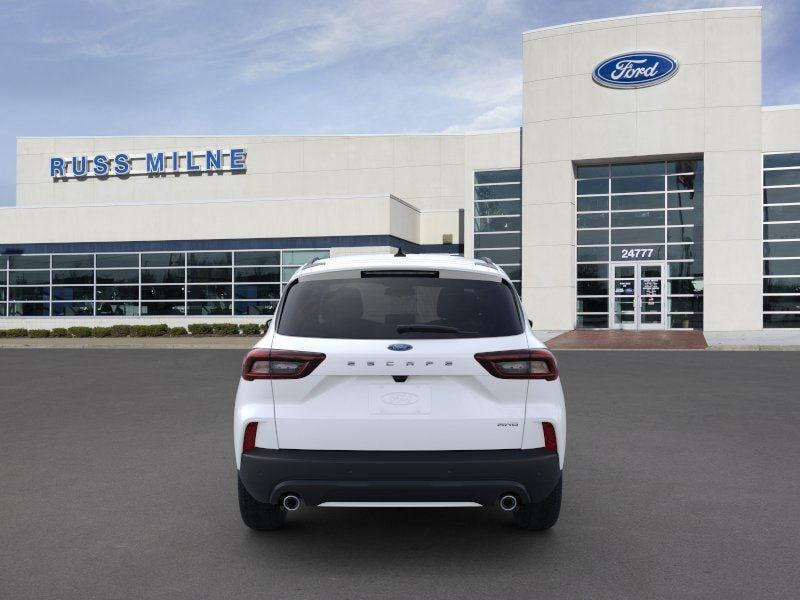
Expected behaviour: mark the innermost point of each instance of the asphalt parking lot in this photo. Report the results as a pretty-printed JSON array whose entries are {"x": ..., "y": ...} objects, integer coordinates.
[{"x": 117, "y": 481}]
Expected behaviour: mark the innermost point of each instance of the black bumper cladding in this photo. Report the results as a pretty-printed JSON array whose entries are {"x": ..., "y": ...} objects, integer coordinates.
[{"x": 319, "y": 476}]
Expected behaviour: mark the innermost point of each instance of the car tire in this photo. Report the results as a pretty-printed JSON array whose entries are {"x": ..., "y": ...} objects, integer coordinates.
[
  {"x": 540, "y": 515},
  {"x": 260, "y": 516}
]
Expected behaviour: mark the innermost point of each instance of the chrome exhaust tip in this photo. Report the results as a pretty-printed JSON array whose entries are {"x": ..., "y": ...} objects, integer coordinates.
[
  {"x": 291, "y": 502},
  {"x": 508, "y": 502}
]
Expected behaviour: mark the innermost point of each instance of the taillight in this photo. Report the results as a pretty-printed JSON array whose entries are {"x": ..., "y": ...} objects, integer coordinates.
[
  {"x": 250, "y": 436},
  {"x": 279, "y": 364},
  {"x": 550, "y": 437},
  {"x": 520, "y": 364}
]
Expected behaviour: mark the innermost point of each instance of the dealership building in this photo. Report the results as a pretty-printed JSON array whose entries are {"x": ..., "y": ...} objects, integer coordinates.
[{"x": 646, "y": 188}]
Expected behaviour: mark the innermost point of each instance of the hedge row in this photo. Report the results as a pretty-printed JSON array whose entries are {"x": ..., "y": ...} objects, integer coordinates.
[{"x": 161, "y": 330}]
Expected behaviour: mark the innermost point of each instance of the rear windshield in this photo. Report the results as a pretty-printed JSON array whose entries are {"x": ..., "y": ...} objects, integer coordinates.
[{"x": 399, "y": 307}]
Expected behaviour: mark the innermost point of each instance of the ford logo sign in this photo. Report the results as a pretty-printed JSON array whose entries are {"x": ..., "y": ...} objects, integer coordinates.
[
  {"x": 635, "y": 70},
  {"x": 400, "y": 347}
]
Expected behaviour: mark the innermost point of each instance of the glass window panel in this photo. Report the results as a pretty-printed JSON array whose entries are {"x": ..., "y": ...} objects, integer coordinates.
[
  {"x": 209, "y": 308},
  {"x": 685, "y": 286},
  {"x": 593, "y": 203},
  {"x": 501, "y": 207},
  {"x": 592, "y": 271},
  {"x": 28, "y": 309},
  {"x": 686, "y": 321},
  {"x": 648, "y": 168},
  {"x": 592, "y": 237},
  {"x": 29, "y": 261},
  {"x": 693, "y": 304},
  {"x": 782, "y": 213},
  {"x": 288, "y": 272},
  {"x": 782, "y": 267},
  {"x": 3, "y": 262},
  {"x": 788, "y": 320},
  {"x": 684, "y": 166},
  {"x": 637, "y": 184},
  {"x": 782, "y": 195},
  {"x": 117, "y": 261},
  {"x": 683, "y": 182},
  {"x": 162, "y": 292},
  {"x": 592, "y": 186},
  {"x": 3, "y": 308},
  {"x": 782, "y": 285},
  {"x": 209, "y": 259},
  {"x": 596, "y": 305},
  {"x": 498, "y": 240},
  {"x": 162, "y": 309},
  {"x": 255, "y": 308},
  {"x": 682, "y": 217},
  {"x": 257, "y": 292},
  {"x": 684, "y": 199},
  {"x": 637, "y": 202},
  {"x": 502, "y": 257},
  {"x": 513, "y": 272},
  {"x": 117, "y": 309},
  {"x": 73, "y": 309},
  {"x": 587, "y": 171},
  {"x": 781, "y": 249},
  {"x": 681, "y": 269},
  {"x": 29, "y": 277},
  {"x": 637, "y": 219},
  {"x": 301, "y": 257},
  {"x": 2, "y": 277},
  {"x": 117, "y": 292},
  {"x": 590, "y": 254},
  {"x": 782, "y": 231},
  {"x": 680, "y": 234},
  {"x": 209, "y": 275},
  {"x": 651, "y": 271},
  {"x": 29, "y": 293},
  {"x": 498, "y": 176},
  {"x": 788, "y": 177},
  {"x": 592, "y": 322},
  {"x": 679, "y": 252},
  {"x": 498, "y": 224},
  {"x": 265, "y": 257},
  {"x": 2, "y": 294},
  {"x": 789, "y": 159},
  {"x": 164, "y": 259},
  {"x": 73, "y": 277},
  {"x": 637, "y": 236},
  {"x": 209, "y": 292},
  {"x": 593, "y": 220},
  {"x": 782, "y": 303},
  {"x": 593, "y": 288},
  {"x": 77, "y": 292},
  {"x": 117, "y": 276},
  {"x": 163, "y": 276},
  {"x": 494, "y": 192},
  {"x": 73, "y": 261},
  {"x": 257, "y": 274}
]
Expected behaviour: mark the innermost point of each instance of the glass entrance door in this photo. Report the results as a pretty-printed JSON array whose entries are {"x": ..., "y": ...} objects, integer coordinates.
[{"x": 637, "y": 295}]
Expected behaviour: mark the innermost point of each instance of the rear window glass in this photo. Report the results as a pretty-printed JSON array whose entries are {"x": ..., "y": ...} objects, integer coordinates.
[{"x": 399, "y": 308}]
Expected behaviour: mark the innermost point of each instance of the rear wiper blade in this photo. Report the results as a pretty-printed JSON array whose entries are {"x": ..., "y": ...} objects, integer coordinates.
[{"x": 425, "y": 328}]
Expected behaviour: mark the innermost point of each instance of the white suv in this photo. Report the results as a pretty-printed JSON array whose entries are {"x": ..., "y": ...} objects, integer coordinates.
[{"x": 399, "y": 381}]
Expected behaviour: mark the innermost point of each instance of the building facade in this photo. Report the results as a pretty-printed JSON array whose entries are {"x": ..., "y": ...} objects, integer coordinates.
[{"x": 647, "y": 188}]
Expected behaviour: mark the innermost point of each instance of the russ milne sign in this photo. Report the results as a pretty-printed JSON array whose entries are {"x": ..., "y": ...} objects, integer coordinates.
[
  {"x": 635, "y": 70},
  {"x": 151, "y": 163}
]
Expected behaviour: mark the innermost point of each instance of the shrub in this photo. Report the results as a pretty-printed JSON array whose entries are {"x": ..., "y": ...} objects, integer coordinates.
[
  {"x": 59, "y": 332},
  {"x": 225, "y": 329},
  {"x": 101, "y": 332},
  {"x": 157, "y": 330},
  {"x": 138, "y": 330},
  {"x": 2, "y": 333},
  {"x": 80, "y": 332},
  {"x": 250, "y": 329},
  {"x": 120, "y": 330},
  {"x": 200, "y": 329},
  {"x": 16, "y": 332},
  {"x": 38, "y": 333},
  {"x": 177, "y": 331}
]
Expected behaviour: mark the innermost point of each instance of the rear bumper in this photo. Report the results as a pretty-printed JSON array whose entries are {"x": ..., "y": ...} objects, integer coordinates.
[{"x": 319, "y": 476}]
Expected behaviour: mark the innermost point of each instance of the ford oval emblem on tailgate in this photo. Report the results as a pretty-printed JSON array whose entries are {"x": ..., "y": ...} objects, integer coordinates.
[{"x": 400, "y": 347}]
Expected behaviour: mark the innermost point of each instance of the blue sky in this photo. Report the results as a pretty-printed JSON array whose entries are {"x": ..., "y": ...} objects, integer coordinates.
[{"x": 151, "y": 67}]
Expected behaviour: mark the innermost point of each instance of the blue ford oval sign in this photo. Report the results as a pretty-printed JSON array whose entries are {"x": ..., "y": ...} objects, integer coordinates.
[
  {"x": 635, "y": 70},
  {"x": 400, "y": 347}
]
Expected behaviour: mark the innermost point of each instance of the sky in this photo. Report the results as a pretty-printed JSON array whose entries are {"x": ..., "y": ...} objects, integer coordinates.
[{"x": 170, "y": 67}]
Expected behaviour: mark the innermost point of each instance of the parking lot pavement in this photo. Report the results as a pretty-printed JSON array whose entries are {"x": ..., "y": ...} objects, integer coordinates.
[{"x": 117, "y": 481}]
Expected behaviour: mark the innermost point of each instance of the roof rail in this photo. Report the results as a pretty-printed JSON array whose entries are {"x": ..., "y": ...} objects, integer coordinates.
[
  {"x": 308, "y": 264},
  {"x": 489, "y": 262}
]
